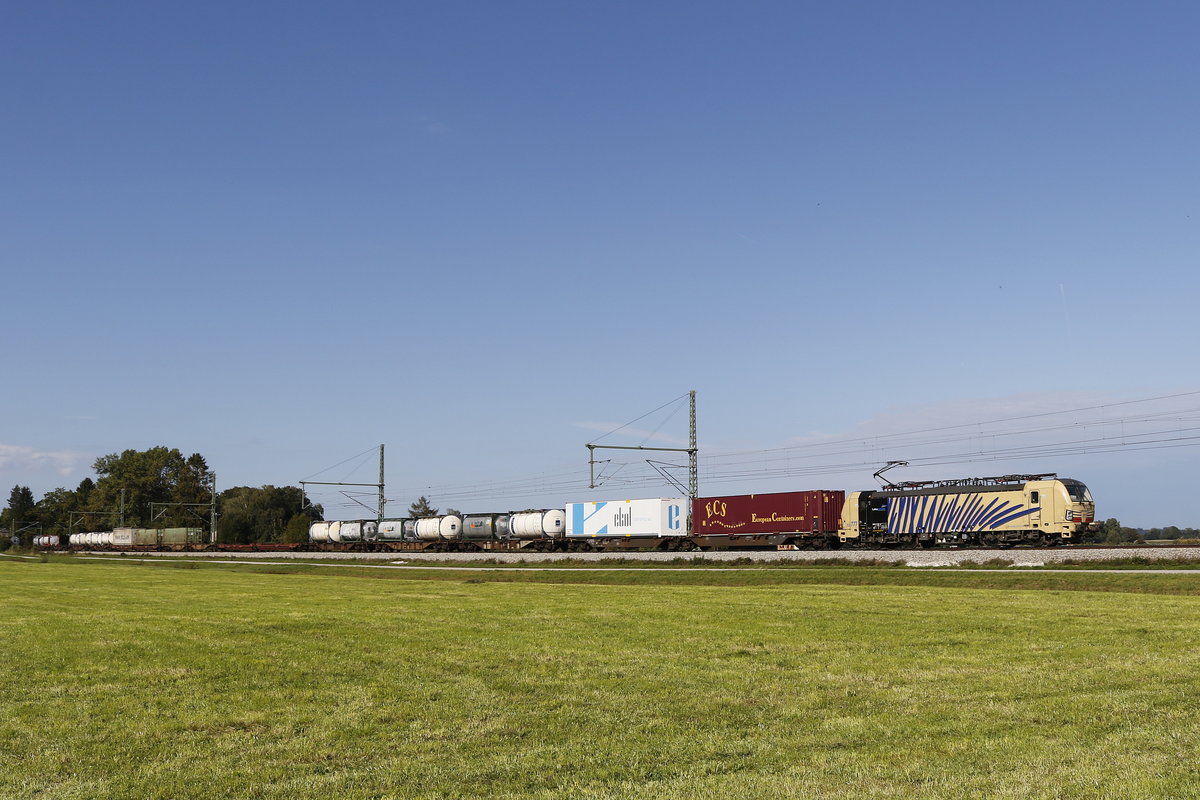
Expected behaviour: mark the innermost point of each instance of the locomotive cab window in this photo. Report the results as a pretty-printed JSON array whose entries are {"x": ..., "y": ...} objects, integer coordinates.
[
  {"x": 1078, "y": 492},
  {"x": 1033, "y": 498}
]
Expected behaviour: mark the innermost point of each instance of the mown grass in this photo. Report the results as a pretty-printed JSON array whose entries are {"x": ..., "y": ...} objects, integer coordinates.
[
  {"x": 127, "y": 681},
  {"x": 685, "y": 572}
]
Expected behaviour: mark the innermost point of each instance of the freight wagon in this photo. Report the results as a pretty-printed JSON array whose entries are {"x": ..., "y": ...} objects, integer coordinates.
[
  {"x": 776, "y": 520},
  {"x": 510, "y": 530},
  {"x": 139, "y": 539}
]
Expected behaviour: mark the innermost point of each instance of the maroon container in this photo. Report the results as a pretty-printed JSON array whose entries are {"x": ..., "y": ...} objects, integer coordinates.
[{"x": 779, "y": 512}]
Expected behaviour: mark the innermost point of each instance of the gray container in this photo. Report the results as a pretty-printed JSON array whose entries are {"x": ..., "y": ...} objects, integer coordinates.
[
  {"x": 480, "y": 527},
  {"x": 392, "y": 530}
]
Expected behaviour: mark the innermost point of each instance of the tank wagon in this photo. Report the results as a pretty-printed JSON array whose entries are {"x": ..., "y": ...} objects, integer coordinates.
[
  {"x": 1005, "y": 510},
  {"x": 509, "y": 530},
  {"x": 136, "y": 539}
]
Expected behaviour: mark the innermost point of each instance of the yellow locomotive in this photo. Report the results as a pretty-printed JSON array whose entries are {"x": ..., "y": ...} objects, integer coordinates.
[{"x": 1004, "y": 510}]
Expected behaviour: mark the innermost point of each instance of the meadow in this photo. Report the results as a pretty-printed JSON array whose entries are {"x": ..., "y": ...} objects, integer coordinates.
[{"x": 131, "y": 680}]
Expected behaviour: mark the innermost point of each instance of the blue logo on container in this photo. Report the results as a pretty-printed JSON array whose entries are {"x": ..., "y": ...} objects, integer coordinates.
[{"x": 673, "y": 517}]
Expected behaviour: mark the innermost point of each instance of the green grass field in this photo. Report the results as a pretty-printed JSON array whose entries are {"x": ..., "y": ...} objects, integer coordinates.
[{"x": 125, "y": 680}]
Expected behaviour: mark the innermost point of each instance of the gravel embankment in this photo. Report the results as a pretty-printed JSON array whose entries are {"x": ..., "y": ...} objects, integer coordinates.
[{"x": 912, "y": 558}]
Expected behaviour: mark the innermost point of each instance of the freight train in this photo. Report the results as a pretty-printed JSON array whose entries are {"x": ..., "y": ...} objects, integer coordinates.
[{"x": 998, "y": 512}]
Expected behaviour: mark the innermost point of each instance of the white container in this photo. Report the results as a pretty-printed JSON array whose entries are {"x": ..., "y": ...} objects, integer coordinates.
[
  {"x": 335, "y": 531},
  {"x": 351, "y": 531},
  {"x": 654, "y": 517},
  {"x": 538, "y": 524},
  {"x": 122, "y": 537},
  {"x": 318, "y": 532},
  {"x": 433, "y": 528}
]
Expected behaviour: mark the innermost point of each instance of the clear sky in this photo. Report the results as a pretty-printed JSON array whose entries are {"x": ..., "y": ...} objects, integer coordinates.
[{"x": 281, "y": 233}]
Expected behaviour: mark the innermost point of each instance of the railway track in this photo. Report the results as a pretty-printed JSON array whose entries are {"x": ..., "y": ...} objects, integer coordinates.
[{"x": 1017, "y": 557}]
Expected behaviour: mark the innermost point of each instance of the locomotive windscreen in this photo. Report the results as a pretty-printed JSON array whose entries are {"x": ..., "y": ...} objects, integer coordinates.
[{"x": 1078, "y": 492}]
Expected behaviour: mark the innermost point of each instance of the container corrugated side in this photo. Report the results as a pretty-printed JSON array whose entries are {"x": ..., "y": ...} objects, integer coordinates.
[{"x": 776, "y": 512}]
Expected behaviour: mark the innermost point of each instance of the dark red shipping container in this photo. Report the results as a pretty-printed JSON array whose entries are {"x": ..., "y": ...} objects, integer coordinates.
[{"x": 779, "y": 512}]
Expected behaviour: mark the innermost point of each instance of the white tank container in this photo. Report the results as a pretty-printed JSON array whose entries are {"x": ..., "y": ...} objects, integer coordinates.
[
  {"x": 370, "y": 531},
  {"x": 318, "y": 532},
  {"x": 537, "y": 524},
  {"x": 432, "y": 528},
  {"x": 335, "y": 531},
  {"x": 351, "y": 531},
  {"x": 429, "y": 528}
]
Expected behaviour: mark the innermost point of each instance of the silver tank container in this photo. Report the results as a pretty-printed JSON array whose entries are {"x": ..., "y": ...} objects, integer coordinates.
[
  {"x": 479, "y": 527},
  {"x": 391, "y": 530}
]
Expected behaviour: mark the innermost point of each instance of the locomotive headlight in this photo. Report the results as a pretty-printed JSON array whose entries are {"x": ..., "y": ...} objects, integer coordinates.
[{"x": 1070, "y": 516}]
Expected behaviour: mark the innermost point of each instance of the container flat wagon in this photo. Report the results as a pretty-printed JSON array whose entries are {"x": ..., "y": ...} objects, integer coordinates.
[{"x": 774, "y": 520}]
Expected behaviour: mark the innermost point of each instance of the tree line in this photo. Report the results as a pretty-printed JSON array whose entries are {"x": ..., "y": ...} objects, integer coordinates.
[
  {"x": 1113, "y": 532},
  {"x": 160, "y": 488}
]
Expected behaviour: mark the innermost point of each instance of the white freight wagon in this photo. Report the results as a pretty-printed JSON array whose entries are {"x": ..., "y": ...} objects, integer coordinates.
[{"x": 654, "y": 517}]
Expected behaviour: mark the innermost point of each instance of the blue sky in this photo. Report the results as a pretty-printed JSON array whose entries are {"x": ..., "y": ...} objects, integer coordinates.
[{"x": 279, "y": 234}]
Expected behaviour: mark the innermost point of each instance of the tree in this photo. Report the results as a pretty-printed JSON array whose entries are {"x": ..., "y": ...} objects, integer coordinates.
[
  {"x": 247, "y": 514},
  {"x": 421, "y": 509},
  {"x": 20, "y": 509},
  {"x": 55, "y": 507},
  {"x": 297, "y": 529},
  {"x": 157, "y": 475}
]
